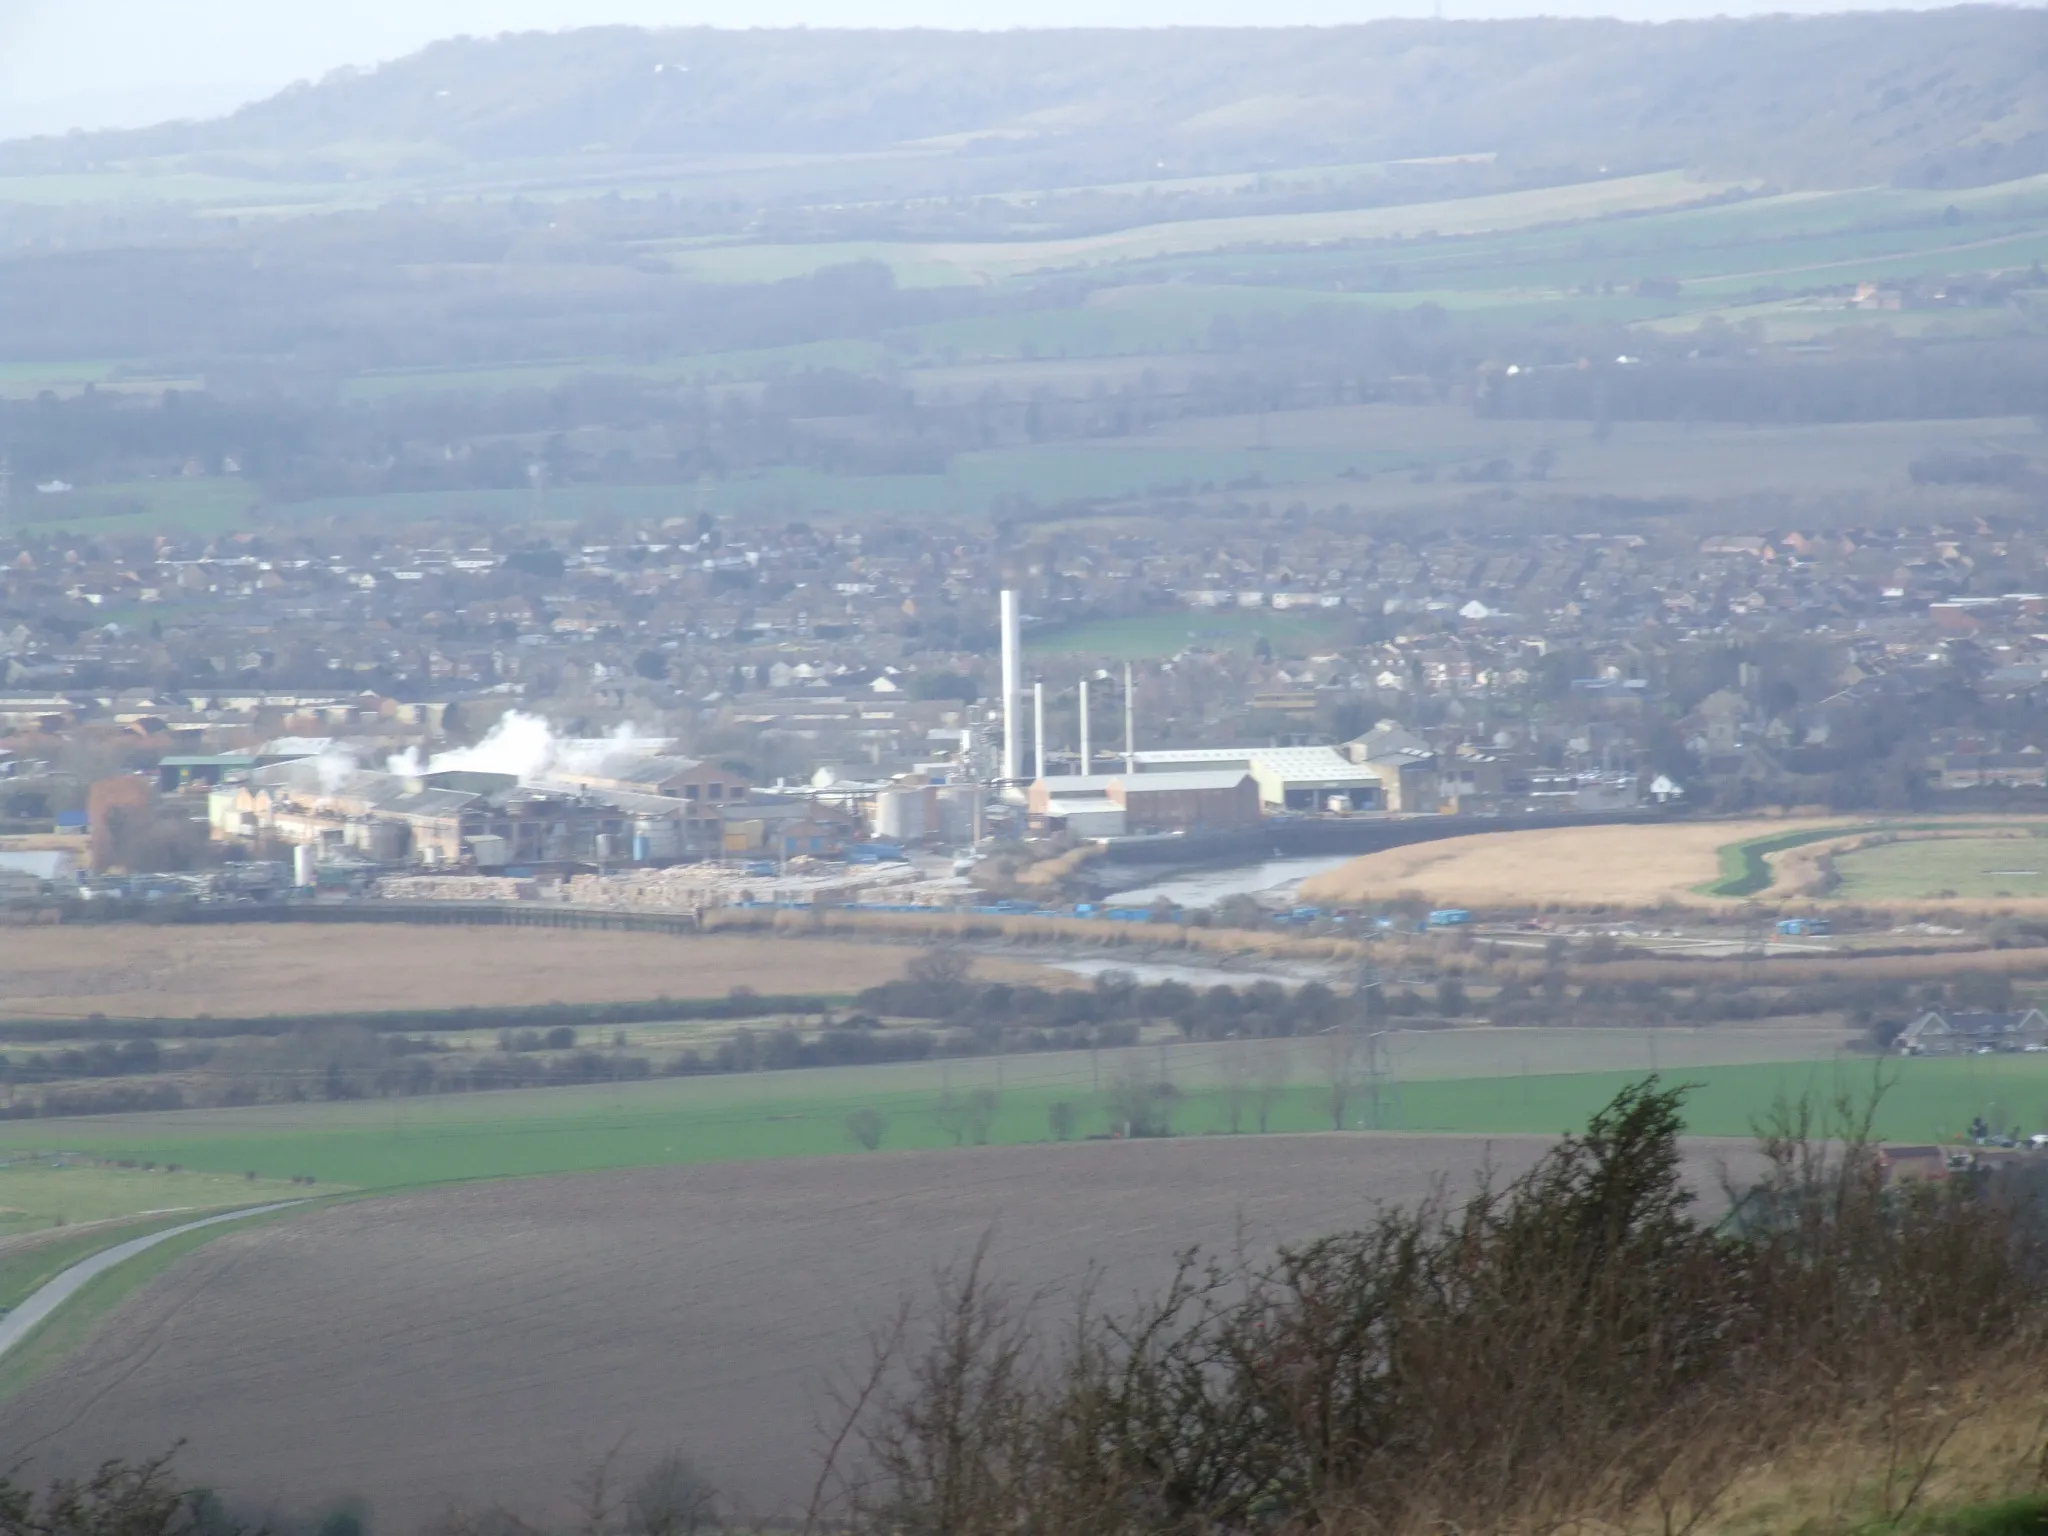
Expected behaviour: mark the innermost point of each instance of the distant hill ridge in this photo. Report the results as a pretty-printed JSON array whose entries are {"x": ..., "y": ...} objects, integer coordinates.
[{"x": 1956, "y": 96}]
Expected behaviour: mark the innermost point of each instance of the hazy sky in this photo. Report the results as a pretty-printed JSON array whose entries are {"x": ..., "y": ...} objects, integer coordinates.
[{"x": 87, "y": 63}]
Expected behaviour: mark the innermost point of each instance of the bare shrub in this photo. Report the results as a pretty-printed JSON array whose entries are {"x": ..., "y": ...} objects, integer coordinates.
[
  {"x": 671, "y": 1498},
  {"x": 1238, "y": 1070},
  {"x": 969, "y": 1117},
  {"x": 867, "y": 1127},
  {"x": 120, "y": 1499},
  {"x": 1574, "y": 1348},
  {"x": 1140, "y": 1103},
  {"x": 1276, "y": 1068},
  {"x": 943, "y": 976}
]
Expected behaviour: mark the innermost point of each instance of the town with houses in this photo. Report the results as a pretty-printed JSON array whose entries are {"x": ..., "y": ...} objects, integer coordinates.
[{"x": 699, "y": 693}]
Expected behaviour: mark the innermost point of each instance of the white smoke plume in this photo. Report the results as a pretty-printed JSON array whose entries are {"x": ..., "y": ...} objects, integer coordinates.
[
  {"x": 528, "y": 747},
  {"x": 334, "y": 766}
]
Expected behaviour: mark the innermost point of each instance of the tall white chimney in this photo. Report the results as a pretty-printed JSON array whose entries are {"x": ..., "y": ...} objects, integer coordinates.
[
  {"x": 1087, "y": 757},
  {"x": 1130, "y": 723},
  {"x": 1013, "y": 683},
  {"x": 1038, "y": 730}
]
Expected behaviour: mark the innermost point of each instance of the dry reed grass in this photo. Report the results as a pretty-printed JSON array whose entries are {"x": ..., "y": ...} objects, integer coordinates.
[
  {"x": 235, "y": 971},
  {"x": 1967, "y": 1440},
  {"x": 1563, "y": 867}
]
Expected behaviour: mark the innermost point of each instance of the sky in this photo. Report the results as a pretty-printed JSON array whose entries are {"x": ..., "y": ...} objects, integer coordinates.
[{"x": 119, "y": 63}]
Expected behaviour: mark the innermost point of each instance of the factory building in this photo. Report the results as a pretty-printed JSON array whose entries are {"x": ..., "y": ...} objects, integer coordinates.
[
  {"x": 1405, "y": 764},
  {"x": 1204, "y": 799},
  {"x": 1290, "y": 779},
  {"x": 627, "y": 808}
]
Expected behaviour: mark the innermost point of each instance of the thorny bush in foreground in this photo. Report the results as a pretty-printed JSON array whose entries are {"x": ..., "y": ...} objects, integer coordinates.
[{"x": 1573, "y": 1346}]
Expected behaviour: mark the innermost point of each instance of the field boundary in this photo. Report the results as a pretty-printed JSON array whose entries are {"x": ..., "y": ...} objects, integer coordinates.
[
  {"x": 758, "y": 1005},
  {"x": 788, "y": 923}
]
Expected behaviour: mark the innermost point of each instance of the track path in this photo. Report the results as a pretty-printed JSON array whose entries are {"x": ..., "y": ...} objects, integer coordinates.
[{"x": 52, "y": 1294}]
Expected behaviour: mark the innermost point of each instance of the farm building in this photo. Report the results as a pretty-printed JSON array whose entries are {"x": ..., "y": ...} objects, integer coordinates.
[{"x": 1957, "y": 1034}]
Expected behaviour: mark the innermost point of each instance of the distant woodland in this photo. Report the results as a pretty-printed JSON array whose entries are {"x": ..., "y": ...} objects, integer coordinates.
[
  {"x": 618, "y": 257},
  {"x": 1806, "y": 101}
]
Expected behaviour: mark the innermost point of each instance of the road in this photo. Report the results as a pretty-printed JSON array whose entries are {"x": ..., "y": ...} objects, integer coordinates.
[{"x": 47, "y": 1298}]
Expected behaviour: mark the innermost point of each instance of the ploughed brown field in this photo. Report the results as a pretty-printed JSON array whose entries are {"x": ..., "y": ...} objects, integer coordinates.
[
  {"x": 491, "y": 1342},
  {"x": 147, "y": 971}
]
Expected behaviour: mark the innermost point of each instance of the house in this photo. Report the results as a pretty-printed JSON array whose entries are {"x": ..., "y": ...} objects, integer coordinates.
[{"x": 1958, "y": 1034}]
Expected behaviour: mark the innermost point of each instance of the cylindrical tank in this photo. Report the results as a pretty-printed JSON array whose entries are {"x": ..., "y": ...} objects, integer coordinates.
[
  {"x": 656, "y": 837},
  {"x": 956, "y": 811},
  {"x": 303, "y": 874},
  {"x": 899, "y": 814},
  {"x": 607, "y": 845}
]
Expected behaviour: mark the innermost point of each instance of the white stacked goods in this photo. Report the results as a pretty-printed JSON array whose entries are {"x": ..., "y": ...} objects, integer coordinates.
[
  {"x": 454, "y": 888},
  {"x": 692, "y": 887}
]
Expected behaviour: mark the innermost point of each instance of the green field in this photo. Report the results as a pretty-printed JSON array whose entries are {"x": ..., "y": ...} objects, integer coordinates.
[
  {"x": 927, "y": 263},
  {"x": 974, "y": 483},
  {"x": 1154, "y": 635},
  {"x": 203, "y": 504},
  {"x": 1191, "y": 295},
  {"x": 703, "y": 368},
  {"x": 39, "y": 1192},
  {"x": 1932, "y": 869},
  {"x": 1746, "y": 869},
  {"x": 402, "y": 1143}
]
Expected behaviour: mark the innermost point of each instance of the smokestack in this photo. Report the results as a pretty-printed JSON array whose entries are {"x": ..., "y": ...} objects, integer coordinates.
[
  {"x": 1038, "y": 729},
  {"x": 1013, "y": 741},
  {"x": 1087, "y": 758},
  {"x": 1130, "y": 724}
]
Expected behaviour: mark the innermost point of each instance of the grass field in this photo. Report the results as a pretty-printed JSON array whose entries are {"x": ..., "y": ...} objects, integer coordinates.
[
  {"x": 133, "y": 970},
  {"x": 1696, "y": 862},
  {"x": 973, "y": 483},
  {"x": 43, "y": 1191},
  {"x": 1746, "y": 868},
  {"x": 1371, "y": 458},
  {"x": 407, "y": 1142},
  {"x": 984, "y": 261},
  {"x": 1159, "y": 635},
  {"x": 27, "y": 1262},
  {"x": 853, "y": 356},
  {"x": 1945, "y": 869},
  {"x": 199, "y": 505}
]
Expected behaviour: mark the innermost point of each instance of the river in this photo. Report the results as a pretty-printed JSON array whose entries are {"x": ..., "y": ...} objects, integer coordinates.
[{"x": 1274, "y": 881}]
